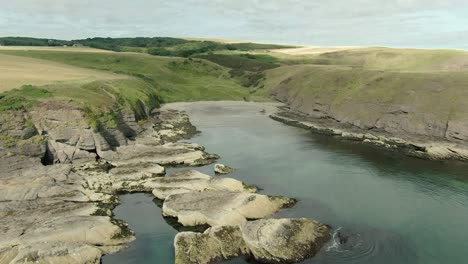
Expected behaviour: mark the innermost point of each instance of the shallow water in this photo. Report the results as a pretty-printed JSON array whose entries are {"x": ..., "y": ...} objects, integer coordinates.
[{"x": 392, "y": 208}]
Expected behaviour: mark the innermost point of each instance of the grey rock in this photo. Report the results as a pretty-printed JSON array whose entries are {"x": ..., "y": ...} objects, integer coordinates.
[
  {"x": 217, "y": 208},
  {"x": 266, "y": 240},
  {"x": 222, "y": 169},
  {"x": 215, "y": 244},
  {"x": 191, "y": 180},
  {"x": 284, "y": 240}
]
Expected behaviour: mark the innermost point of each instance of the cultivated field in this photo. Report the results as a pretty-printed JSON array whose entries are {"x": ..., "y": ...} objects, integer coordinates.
[
  {"x": 314, "y": 50},
  {"x": 72, "y": 49},
  {"x": 16, "y": 71}
]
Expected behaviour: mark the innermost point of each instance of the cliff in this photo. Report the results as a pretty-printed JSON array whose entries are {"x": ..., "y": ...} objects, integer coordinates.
[{"x": 422, "y": 103}]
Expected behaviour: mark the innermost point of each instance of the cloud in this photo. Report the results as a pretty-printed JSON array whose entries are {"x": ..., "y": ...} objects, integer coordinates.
[{"x": 321, "y": 22}]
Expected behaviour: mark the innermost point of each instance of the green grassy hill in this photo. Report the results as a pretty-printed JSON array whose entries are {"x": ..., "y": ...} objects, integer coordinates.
[
  {"x": 396, "y": 59},
  {"x": 147, "y": 81},
  {"x": 173, "y": 79},
  {"x": 417, "y": 92}
]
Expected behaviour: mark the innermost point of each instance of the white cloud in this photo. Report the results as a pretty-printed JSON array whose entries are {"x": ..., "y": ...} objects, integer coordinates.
[{"x": 326, "y": 22}]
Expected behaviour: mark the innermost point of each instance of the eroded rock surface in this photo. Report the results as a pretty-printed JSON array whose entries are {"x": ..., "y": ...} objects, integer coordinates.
[
  {"x": 191, "y": 180},
  {"x": 420, "y": 146},
  {"x": 284, "y": 240},
  {"x": 215, "y": 244},
  {"x": 62, "y": 213},
  {"x": 60, "y": 178},
  {"x": 266, "y": 240},
  {"x": 217, "y": 208}
]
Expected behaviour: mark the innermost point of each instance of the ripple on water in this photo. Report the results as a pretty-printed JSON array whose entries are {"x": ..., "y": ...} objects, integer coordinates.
[{"x": 365, "y": 245}]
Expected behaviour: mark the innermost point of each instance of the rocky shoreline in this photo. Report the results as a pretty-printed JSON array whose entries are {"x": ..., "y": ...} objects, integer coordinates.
[
  {"x": 61, "y": 181},
  {"x": 426, "y": 148}
]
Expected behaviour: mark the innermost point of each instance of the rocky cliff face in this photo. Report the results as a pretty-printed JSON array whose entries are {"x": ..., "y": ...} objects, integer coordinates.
[{"x": 432, "y": 109}]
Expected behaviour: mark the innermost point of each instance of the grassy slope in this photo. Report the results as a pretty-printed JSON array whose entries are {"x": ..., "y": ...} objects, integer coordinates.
[
  {"x": 16, "y": 71},
  {"x": 144, "y": 82},
  {"x": 397, "y": 59},
  {"x": 361, "y": 86},
  {"x": 174, "y": 79}
]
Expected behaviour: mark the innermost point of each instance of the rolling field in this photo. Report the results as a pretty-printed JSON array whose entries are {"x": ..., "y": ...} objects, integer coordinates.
[
  {"x": 17, "y": 71},
  {"x": 313, "y": 50},
  {"x": 42, "y": 48},
  {"x": 174, "y": 79},
  {"x": 105, "y": 82}
]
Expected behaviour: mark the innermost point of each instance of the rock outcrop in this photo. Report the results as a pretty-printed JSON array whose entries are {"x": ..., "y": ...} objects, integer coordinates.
[
  {"x": 266, "y": 240},
  {"x": 70, "y": 253},
  {"x": 190, "y": 180},
  {"x": 62, "y": 213},
  {"x": 420, "y": 107},
  {"x": 222, "y": 169},
  {"x": 217, "y": 208},
  {"x": 60, "y": 179},
  {"x": 284, "y": 240},
  {"x": 411, "y": 146}
]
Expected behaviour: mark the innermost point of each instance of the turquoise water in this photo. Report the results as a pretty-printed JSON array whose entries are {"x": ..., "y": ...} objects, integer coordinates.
[{"x": 393, "y": 208}]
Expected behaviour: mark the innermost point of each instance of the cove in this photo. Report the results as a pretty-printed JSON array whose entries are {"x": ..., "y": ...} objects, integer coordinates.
[{"x": 391, "y": 208}]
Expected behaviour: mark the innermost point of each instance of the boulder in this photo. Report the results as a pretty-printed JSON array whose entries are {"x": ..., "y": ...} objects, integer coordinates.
[
  {"x": 215, "y": 244},
  {"x": 266, "y": 240},
  {"x": 217, "y": 208},
  {"x": 284, "y": 240},
  {"x": 222, "y": 169}
]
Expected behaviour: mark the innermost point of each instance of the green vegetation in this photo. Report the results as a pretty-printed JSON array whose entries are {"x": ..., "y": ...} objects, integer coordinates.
[
  {"x": 245, "y": 62},
  {"x": 391, "y": 59},
  {"x": 170, "y": 80},
  {"x": 161, "y": 46},
  {"x": 248, "y": 68},
  {"x": 22, "y": 98},
  {"x": 150, "y": 81},
  {"x": 363, "y": 85},
  {"x": 218, "y": 71},
  {"x": 22, "y": 41}
]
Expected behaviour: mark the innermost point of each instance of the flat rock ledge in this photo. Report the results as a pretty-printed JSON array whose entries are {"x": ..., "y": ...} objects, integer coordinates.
[
  {"x": 218, "y": 208},
  {"x": 187, "y": 181},
  {"x": 266, "y": 240}
]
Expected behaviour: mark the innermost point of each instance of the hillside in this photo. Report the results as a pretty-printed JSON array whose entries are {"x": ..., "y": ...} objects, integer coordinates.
[
  {"x": 16, "y": 71},
  {"x": 421, "y": 93},
  {"x": 409, "y": 93},
  {"x": 105, "y": 88},
  {"x": 163, "y": 46},
  {"x": 173, "y": 79}
]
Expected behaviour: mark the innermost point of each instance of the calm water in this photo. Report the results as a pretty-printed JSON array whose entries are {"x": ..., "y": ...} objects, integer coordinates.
[{"x": 394, "y": 209}]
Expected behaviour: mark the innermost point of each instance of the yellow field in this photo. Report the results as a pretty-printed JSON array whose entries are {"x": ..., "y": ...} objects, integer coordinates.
[
  {"x": 73, "y": 49},
  {"x": 314, "y": 50},
  {"x": 227, "y": 41},
  {"x": 16, "y": 71}
]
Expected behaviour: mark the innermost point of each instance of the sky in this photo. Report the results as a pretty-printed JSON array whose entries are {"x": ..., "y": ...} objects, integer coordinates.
[{"x": 395, "y": 23}]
